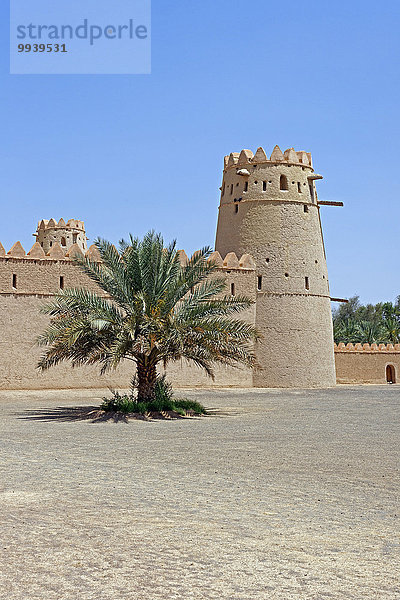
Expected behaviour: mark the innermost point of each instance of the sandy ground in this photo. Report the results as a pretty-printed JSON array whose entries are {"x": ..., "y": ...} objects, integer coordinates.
[{"x": 280, "y": 495}]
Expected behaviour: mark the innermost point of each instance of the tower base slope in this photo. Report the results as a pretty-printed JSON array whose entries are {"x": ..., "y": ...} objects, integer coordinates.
[{"x": 296, "y": 349}]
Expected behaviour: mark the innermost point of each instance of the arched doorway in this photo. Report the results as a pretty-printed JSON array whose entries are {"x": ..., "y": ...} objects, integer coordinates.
[{"x": 390, "y": 374}]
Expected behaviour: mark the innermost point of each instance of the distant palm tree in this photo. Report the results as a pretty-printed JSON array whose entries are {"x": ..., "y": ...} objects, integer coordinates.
[
  {"x": 372, "y": 333},
  {"x": 346, "y": 330},
  {"x": 152, "y": 310},
  {"x": 392, "y": 328}
]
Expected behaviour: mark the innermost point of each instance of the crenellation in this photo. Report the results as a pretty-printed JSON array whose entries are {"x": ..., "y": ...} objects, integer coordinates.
[
  {"x": 290, "y": 157},
  {"x": 371, "y": 348},
  {"x": 74, "y": 252},
  {"x": 36, "y": 251},
  {"x": 16, "y": 251},
  {"x": 56, "y": 251},
  {"x": 245, "y": 157},
  {"x": 233, "y": 159},
  {"x": 231, "y": 261},
  {"x": 277, "y": 155},
  {"x": 259, "y": 156},
  {"x": 93, "y": 254},
  {"x": 216, "y": 258},
  {"x": 247, "y": 262},
  {"x": 183, "y": 257}
]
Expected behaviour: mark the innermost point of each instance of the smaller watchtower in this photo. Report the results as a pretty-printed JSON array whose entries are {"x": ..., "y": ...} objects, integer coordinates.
[{"x": 67, "y": 234}]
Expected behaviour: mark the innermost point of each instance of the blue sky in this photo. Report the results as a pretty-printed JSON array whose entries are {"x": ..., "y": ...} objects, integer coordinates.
[{"x": 133, "y": 152}]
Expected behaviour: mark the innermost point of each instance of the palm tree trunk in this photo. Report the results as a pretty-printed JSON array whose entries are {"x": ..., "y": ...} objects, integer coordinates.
[{"x": 147, "y": 375}]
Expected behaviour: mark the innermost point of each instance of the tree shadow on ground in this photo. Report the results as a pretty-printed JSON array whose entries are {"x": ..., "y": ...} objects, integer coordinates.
[
  {"x": 95, "y": 415},
  {"x": 73, "y": 413}
]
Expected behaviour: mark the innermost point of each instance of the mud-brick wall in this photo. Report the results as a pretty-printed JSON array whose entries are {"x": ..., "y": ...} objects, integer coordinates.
[
  {"x": 21, "y": 323},
  {"x": 40, "y": 276},
  {"x": 364, "y": 363}
]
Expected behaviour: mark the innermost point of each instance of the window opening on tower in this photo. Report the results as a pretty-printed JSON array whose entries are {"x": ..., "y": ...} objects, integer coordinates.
[{"x": 283, "y": 183}]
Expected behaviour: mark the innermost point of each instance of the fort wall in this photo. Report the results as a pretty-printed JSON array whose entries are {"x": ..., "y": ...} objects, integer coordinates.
[
  {"x": 365, "y": 363},
  {"x": 27, "y": 283}
]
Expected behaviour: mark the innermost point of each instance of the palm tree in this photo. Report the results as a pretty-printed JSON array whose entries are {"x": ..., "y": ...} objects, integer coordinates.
[
  {"x": 150, "y": 309},
  {"x": 371, "y": 333},
  {"x": 391, "y": 325},
  {"x": 346, "y": 330}
]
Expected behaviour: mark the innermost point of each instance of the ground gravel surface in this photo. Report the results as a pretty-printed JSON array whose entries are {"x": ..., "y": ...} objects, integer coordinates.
[{"x": 278, "y": 495}]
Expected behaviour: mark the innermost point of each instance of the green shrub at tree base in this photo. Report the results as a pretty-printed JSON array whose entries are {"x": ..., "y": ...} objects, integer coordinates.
[{"x": 163, "y": 401}]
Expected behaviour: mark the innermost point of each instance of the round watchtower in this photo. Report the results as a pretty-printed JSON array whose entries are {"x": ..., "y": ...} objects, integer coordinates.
[
  {"x": 269, "y": 209},
  {"x": 67, "y": 234}
]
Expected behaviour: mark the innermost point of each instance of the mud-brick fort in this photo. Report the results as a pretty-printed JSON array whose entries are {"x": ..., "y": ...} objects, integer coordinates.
[{"x": 269, "y": 245}]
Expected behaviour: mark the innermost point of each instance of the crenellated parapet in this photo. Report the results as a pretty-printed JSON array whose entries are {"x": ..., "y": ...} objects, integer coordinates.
[
  {"x": 40, "y": 274},
  {"x": 246, "y": 157},
  {"x": 52, "y": 224},
  {"x": 231, "y": 261},
  {"x": 282, "y": 177},
  {"x": 342, "y": 347},
  {"x": 56, "y": 252}
]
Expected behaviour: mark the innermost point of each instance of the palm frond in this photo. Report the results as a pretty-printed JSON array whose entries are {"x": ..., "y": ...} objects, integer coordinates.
[{"x": 151, "y": 309}]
